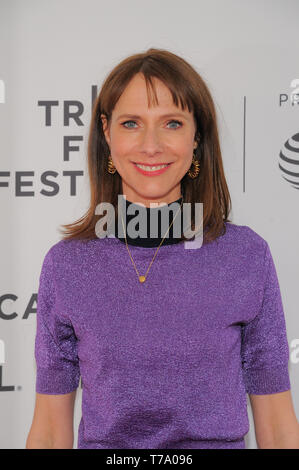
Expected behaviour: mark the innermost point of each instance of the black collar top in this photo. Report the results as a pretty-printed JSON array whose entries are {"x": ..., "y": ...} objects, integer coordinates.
[{"x": 135, "y": 210}]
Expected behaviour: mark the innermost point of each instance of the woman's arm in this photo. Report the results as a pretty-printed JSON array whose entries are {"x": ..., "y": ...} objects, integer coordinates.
[
  {"x": 52, "y": 425},
  {"x": 276, "y": 425}
]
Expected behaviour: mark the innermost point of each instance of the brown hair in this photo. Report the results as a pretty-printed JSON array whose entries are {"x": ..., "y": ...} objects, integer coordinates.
[{"x": 187, "y": 89}]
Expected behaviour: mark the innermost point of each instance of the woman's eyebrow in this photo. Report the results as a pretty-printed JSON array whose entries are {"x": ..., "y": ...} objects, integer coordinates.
[{"x": 135, "y": 116}]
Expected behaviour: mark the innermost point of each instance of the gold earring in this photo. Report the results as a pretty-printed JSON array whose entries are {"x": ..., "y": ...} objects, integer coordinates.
[
  {"x": 195, "y": 172},
  {"x": 111, "y": 167}
]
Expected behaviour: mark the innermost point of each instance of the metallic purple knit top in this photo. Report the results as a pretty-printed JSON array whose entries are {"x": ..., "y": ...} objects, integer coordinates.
[{"x": 167, "y": 363}]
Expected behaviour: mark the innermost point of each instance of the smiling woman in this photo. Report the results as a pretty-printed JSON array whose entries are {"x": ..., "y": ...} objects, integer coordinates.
[
  {"x": 166, "y": 358},
  {"x": 155, "y": 109}
]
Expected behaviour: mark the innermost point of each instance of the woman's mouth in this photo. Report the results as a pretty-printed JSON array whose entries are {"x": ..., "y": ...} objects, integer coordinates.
[{"x": 151, "y": 170}]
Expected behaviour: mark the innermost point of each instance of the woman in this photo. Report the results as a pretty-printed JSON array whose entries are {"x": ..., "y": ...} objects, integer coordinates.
[{"x": 167, "y": 340}]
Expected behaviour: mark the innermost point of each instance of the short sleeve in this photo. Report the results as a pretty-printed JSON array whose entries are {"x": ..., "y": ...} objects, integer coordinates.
[
  {"x": 57, "y": 364},
  {"x": 265, "y": 349}
]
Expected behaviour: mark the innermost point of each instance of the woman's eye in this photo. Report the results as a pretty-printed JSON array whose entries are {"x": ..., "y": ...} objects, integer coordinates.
[
  {"x": 176, "y": 122},
  {"x": 126, "y": 122}
]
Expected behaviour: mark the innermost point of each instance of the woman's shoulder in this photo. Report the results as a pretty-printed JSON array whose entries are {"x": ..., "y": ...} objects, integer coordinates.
[
  {"x": 68, "y": 250},
  {"x": 244, "y": 236}
]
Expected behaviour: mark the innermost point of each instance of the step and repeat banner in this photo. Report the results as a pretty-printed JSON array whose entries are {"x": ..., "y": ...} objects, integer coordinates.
[{"x": 54, "y": 57}]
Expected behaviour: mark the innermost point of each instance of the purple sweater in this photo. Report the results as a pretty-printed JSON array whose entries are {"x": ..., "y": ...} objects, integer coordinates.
[{"x": 167, "y": 363}]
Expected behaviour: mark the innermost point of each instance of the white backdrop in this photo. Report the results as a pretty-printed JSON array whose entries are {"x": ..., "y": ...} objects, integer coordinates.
[{"x": 247, "y": 51}]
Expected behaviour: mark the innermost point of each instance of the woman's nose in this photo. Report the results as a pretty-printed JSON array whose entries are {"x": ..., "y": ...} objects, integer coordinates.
[{"x": 151, "y": 141}]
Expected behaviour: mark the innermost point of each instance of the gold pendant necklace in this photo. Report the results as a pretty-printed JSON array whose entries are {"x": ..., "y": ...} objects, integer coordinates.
[{"x": 142, "y": 279}]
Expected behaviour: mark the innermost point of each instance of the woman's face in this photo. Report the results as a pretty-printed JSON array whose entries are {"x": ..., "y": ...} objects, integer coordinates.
[{"x": 143, "y": 135}]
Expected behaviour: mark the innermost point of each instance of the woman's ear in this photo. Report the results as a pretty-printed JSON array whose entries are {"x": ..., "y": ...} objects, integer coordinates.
[
  {"x": 104, "y": 121},
  {"x": 196, "y": 141},
  {"x": 105, "y": 128}
]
